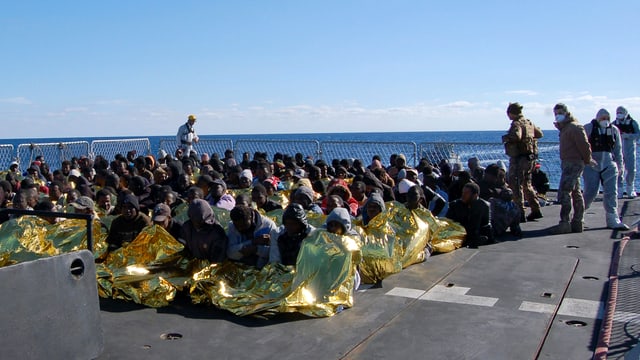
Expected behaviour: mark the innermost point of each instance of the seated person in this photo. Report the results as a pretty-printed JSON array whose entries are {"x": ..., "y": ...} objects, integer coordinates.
[
  {"x": 332, "y": 202},
  {"x": 203, "y": 237},
  {"x": 341, "y": 189},
  {"x": 415, "y": 198},
  {"x": 103, "y": 199},
  {"x": 243, "y": 200},
  {"x": 250, "y": 237},
  {"x": 474, "y": 214},
  {"x": 540, "y": 182},
  {"x": 504, "y": 211},
  {"x": 260, "y": 197},
  {"x": 218, "y": 196},
  {"x": 373, "y": 207},
  {"x": 162, "y": 217},
  {"x": 305, "y": 196},
  {"x": 126, "y": 226},
  {"x": 295, "y": 229},
  {"x": 339, "y": 222},
  {"x": 46, "y": 205}
]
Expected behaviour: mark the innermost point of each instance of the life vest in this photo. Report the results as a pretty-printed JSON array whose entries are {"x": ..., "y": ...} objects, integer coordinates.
[
  {"x": 625, "y": 128},
  {"x": 601, "y": 142}
]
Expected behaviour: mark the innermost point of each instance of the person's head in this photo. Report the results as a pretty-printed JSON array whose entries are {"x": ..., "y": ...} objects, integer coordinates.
[
  {"x": 246, "y": 178},
  {"x": 412, "y": 175},
  {"x": 514, "y": 111},
  {"x": 415, "y": 197},
  {"x": 242, "y": 218},
  {"x": 20, "y": 200},
  {"x": 65, "y": 167},
  {"x": 561, "y": 112},
  {"x": 334, "y": 201},
  {"x": 259, "y": 195},
  {"x": 103, "y": 199},
  {"x": 303, "y": 196},
  {"x": 162, "y": 215},
  {"x": 193, "y": 193},
  {"x": 341, "y": 172},
  {"x": 263, "y": 170},
  {"x": 358, "y": 189},
  {"x": 200, "y": 214},
  {"x": 470, "y": 192},
  {"x": 401, "y": 161},
  {"x": 55, "y": 190},
  {"x": 191, "y": 119},
  {"x": 473, "y": 163},
  {"x": 130, "y": 206},
  {"x": 72, "y": 195},
  {"x": 603, "y": 117},
  {"x": 621, "y": 113},
  {"x": 243, "y": 200},
  {"x": 46, "y": 205},
  {"x": 375, "y": 205},
  {"x": 83, "y": 205},
  {"x": 294, "y": 219},
  {"x": 338, "y": 221},
  {"x": 218, "y": 188}
]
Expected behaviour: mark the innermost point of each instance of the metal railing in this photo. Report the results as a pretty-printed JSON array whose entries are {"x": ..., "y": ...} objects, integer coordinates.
[
  {"x": 209, "y": 146},
  {"x": 271, "y": 147},
  {"x": 110, "y": 148},
  {"x": 365, "y": 150},
  {"x": 7, "y": 155},
  {"x": 53, "y": 153}
]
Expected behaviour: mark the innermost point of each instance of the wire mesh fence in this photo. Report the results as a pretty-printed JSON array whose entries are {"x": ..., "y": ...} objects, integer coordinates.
[
  {"x": 54, "y": 153},
  {"x": 489, "y": 153},
  {"x": 365, "y": 150},
  {"x": 110, "y": 148},
  {"x": 209, "y": 146},
  {"x": 7, "y": 155},
  {"x": 289, "y": 147}
]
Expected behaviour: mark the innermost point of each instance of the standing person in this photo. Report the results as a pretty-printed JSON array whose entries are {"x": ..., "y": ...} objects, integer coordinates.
[
  {"x": 521, "y": 144},
  {"x": 630, "y": 133},
  {"x": 575, "y": 153},
  {"x": 606, "y": 149},
  {"x": 187, "y": 136}
]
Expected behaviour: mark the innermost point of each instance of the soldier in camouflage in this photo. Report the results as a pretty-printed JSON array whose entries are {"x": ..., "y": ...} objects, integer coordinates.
[
  {"x": 575, "y": 154},
  {"x": 521, "y": 145}
]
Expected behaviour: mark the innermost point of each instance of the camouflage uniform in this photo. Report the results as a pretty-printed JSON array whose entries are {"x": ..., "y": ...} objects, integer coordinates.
[
  {"x": 521, "y": 145},
  {"x": 569, "y": 194}
]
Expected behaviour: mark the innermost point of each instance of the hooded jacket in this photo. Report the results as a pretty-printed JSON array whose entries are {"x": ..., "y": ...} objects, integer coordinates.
[
  {"x": 342, "y": 216},
  {"x": 210, "y": 241},
  {"x": 289, "y": 245},
  {"x": 237, "y": 240},
  {"x": 374, "y": 198},
  {"x": 574, "y": 144}
]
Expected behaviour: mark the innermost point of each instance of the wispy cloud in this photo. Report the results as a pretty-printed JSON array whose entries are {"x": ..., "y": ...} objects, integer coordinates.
[{"x": 19, "y": 100}]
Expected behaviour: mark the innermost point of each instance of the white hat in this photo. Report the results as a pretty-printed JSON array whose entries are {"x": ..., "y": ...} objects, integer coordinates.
[
  {"x": 404, "y": 185},
  {"x": 74, "y": 172}
]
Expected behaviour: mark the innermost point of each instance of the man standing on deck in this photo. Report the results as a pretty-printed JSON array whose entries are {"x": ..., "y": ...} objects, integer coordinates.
[
  {"x": 521, "y": 144},
  {"x": 630, "y": 134},
  {"x": 575, "y": 153},
  {"x": 187, "y": 136}
]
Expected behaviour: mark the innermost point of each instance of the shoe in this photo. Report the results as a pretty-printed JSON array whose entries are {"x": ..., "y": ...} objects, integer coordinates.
[
  {"x": 577, "y": 227},
  {"x": 516, "y": 231},
  {"x": 523, "y": 219},
  {"x": 534, "y": 215},
  {"x": 561, "y": 228},
  {"x": 633, "y": 195},
  {"x": 620, "y": 226}
]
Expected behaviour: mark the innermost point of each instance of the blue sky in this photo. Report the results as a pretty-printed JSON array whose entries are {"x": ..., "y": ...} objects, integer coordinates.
[{"x": 73, "y": 68}]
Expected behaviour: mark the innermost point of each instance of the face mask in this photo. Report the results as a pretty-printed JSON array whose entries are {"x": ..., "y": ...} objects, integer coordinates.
[
  {"x": 620, "y": 116},
  {"x": 604, "y": 123},
  {"x": 560, "y": 117}
]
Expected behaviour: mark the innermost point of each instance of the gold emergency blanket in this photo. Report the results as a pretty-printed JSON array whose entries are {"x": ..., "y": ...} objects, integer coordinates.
[
  {"x": 149, "y": 270},
  {"x": 321, "y": 284},
  {"x": 30, "y": 237}
]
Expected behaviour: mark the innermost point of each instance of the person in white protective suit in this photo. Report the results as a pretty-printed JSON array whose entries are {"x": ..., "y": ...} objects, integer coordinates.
[
  {"x": 606, "y": 149},
  {"x": 187, "y": 136},
  {"x": 630, "y": 133}
]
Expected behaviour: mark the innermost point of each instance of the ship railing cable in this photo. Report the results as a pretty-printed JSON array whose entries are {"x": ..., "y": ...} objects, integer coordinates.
[
  {"x": 365, "y": 150},
  {"x": 53, "y": 153},
  {"x": 209, "y": 146},
  {"x": 308, "y": 148},
  {"x": 7, "y": 156},
  {"x": 110, "y": 148}
]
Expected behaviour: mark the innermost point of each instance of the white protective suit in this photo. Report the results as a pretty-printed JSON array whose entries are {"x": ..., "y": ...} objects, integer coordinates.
[{"x": 630, "y": 134}]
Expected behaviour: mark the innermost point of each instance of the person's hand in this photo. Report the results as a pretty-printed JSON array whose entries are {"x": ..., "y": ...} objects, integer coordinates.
[{"x": 262, "y": 240}]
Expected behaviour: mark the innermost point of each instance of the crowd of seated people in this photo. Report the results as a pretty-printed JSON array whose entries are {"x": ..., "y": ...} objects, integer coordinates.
[{"x": 140, "y": 191}]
